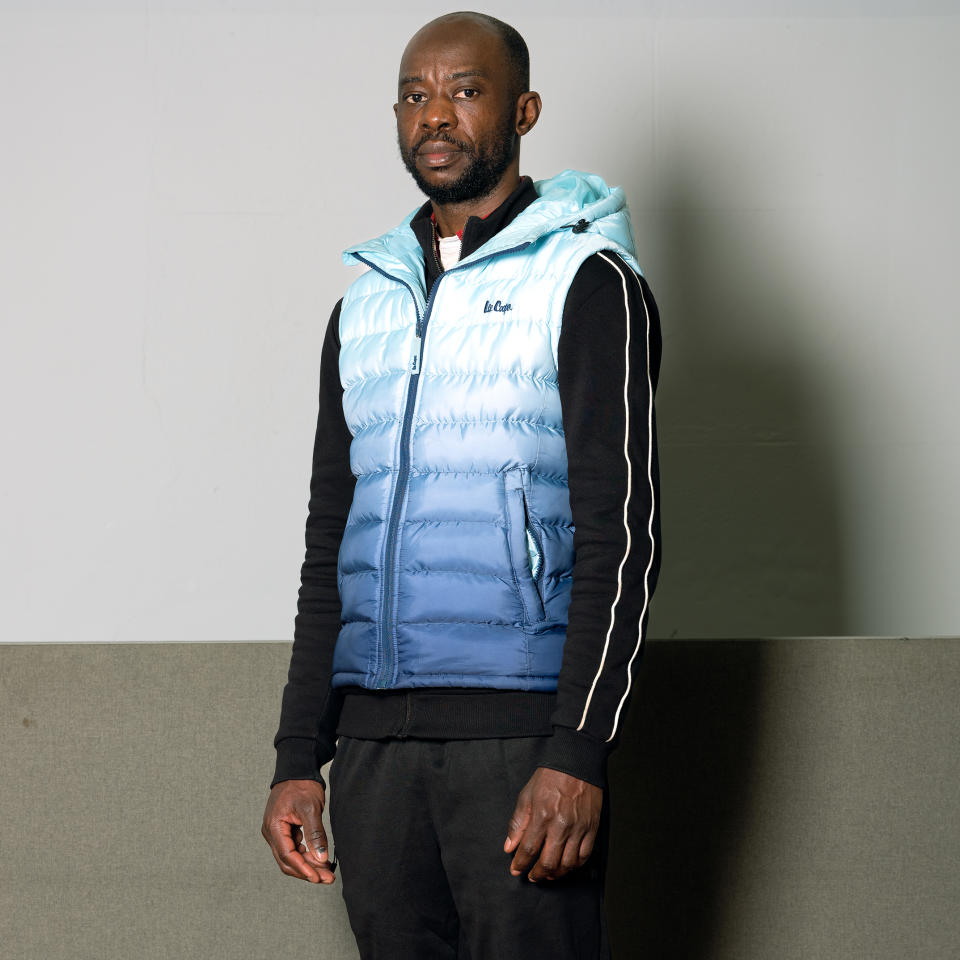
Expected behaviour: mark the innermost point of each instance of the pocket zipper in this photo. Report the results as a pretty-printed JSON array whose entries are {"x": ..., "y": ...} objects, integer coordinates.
[{"x": 534, "y": 550}]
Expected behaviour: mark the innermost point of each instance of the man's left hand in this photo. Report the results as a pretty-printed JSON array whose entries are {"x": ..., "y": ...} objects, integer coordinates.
[{"x": 554, "y": 823}]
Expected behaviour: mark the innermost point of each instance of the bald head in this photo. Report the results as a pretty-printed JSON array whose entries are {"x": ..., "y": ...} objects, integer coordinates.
[{"x": 467, "y": 26}]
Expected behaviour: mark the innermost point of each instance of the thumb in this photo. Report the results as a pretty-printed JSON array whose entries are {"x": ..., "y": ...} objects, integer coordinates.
[
  {"x": 518, "y": 822},
  {"x": 315, "y": 839}
]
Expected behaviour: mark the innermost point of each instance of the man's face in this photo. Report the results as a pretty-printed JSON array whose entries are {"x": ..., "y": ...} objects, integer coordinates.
[{"x": 456, "y": 118}]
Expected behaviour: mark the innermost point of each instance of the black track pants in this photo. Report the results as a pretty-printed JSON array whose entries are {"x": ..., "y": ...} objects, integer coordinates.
[{"x": 419, "y": 826}]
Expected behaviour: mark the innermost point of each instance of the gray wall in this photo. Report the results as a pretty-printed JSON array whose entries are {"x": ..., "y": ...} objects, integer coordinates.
[
  {"x": 177, "y": 181},
  {"x": 794, "y": 799}
]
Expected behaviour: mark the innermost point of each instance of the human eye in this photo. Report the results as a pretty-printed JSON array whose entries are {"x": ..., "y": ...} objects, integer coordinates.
[
  {"x": 467, "y": 93},
  {"x": 414, "y": 97}
]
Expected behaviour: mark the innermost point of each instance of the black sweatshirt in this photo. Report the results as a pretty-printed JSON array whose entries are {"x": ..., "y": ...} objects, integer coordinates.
[{"x": 608, "y": 365}]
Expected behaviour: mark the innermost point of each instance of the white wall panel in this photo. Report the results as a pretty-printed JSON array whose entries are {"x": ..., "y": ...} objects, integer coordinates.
[{"x": 177, "y": 181}]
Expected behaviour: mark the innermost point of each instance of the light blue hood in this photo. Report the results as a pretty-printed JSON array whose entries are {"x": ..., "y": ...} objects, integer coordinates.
[{"x": 563, "y": 200}]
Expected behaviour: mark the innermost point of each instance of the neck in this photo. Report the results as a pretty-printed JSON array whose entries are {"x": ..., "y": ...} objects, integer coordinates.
[{"x": 452, "y": 217}]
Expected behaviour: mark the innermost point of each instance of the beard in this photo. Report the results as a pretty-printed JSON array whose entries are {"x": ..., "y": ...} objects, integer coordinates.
[{"x": 486, "y": 165}]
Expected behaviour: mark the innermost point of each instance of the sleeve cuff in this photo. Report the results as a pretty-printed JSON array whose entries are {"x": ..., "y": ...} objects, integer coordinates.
[
  {"x": 299, "y": 758},
  {"x": 577, "y": 754}
]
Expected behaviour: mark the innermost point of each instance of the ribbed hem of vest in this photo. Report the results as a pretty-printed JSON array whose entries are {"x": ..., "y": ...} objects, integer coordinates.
[
  {"x": 298, "y": 759},
  {"x": 570, "y": 751},
  {"x": 453, "y": 714}
]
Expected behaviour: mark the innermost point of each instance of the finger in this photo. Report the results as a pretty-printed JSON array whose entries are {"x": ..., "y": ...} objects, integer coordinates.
[
  {"x": 572, "y": 858},
  {"x": 518, "y": 822},
  {"x": 547, "y": 866},
  {"x": 289, "y": 871},
  {"x": 586, "y": 845},
  {"x": 321, "y": 874},
  {"x": 558, "y": 830},
  {"x": 292, "y": 864},
  {"x": 528, "y": 846},
  {"x": 286, "y": 854}
]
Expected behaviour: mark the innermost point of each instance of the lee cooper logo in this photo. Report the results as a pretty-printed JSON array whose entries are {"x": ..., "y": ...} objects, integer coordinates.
[{"x": 498, "y": 307}]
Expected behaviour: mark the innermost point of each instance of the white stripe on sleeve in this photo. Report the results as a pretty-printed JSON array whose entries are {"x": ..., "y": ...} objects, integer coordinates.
[{"x": 626, "y": 502}]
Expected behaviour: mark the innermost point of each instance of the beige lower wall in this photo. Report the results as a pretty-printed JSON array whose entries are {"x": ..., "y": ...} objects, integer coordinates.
[{"x": 781, "y": 798}]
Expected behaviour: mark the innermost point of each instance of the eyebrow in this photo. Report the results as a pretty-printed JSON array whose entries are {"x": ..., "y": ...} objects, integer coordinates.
[{"x": 459, "y": 75}]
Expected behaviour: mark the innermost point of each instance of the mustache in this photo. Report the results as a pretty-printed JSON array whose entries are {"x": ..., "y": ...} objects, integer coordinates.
[{"x": 439, "y": 139}]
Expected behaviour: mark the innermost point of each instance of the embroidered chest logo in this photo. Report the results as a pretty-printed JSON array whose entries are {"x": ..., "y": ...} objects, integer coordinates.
[{"x": 498, "y": 307}]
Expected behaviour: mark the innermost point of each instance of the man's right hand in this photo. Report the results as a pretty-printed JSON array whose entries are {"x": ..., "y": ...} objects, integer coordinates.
[{"x": 293, "y": 827}]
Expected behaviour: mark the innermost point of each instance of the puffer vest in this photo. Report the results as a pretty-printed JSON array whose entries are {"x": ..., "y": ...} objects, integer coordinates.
[{"x": 456, "y": 560}]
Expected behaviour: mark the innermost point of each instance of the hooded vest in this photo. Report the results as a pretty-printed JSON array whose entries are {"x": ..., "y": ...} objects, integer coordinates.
[{"x": 456, "y": 560}]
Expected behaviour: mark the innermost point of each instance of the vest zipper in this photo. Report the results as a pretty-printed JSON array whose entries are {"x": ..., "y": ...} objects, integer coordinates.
[
  {"x": 436, "y": 258},
  {"x": 387, "y": 655}
]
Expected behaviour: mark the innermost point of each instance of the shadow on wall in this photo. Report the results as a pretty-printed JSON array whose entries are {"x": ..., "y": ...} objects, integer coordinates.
[
  {"x": 751, "y": 549},
  {"x": 749, "y": 489}
]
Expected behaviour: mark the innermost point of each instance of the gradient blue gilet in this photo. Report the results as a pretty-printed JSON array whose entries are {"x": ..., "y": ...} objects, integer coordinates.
[{"x": 456, "y": 561}]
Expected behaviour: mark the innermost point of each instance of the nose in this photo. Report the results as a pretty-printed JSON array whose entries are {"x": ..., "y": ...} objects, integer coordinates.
[{"x": 438, "y": 114}]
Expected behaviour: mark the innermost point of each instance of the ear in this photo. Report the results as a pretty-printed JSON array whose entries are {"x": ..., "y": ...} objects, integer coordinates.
[
  {"x": 529, "y": 106},
  {"x": 395, "y": 107}
]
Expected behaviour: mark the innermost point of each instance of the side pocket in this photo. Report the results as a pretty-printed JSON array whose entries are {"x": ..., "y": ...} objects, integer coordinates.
[{"x": 526, "y": 553}]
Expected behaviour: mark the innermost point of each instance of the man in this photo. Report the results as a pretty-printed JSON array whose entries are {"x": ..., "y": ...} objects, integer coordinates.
[{"x": 482, "y": 538}]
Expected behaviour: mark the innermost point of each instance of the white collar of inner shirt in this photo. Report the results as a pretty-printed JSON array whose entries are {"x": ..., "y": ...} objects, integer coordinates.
[{"x": 449, "y": 251}]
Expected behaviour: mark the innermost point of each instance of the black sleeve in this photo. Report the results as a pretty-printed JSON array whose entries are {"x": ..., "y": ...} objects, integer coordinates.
[
  {"x": 306, "y": 738},
  {"x": 608, "y": 366}
]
